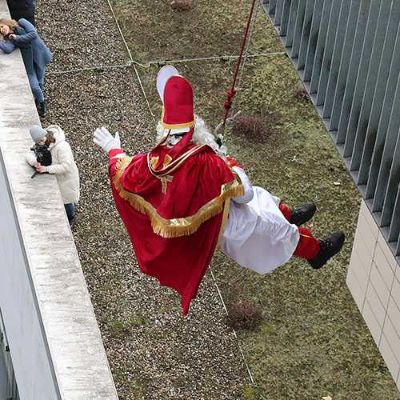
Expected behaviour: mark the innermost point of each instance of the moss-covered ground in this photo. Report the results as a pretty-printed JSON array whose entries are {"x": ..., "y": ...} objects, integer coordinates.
[{"x": 312, "y": 341}]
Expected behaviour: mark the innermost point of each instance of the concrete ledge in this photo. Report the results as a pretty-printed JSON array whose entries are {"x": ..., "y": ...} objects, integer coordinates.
[{"x": 55, "y": 343}]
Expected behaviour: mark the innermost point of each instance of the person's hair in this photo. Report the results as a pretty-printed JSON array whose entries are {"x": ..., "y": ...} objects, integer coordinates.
[
  {"x": 50, "y": 137},
  {"x": 11, "y": 23},
  {"x": 201, "y": 135}
]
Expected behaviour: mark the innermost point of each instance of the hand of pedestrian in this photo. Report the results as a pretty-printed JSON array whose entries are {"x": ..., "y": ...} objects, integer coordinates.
[
  {"x": 103, "y": 138},
  {"x": 40, "y": 168},
  {"x": 12, "y": 36}
]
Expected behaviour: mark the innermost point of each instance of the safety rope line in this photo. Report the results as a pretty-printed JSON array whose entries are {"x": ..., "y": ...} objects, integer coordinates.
[
  {"x": 232, "y": 91},
  {"x": 131, "y": 60},
  {"x": 89, "y": 69},
  {"x": 162, "y": 62},
  {"x": 220, "y": 128},
  {"x": 234, "y": 331},
  {"x": 223, "y": 58},
  {"x": 120, "y": 31},
  {"x": 246, "y": 52}
]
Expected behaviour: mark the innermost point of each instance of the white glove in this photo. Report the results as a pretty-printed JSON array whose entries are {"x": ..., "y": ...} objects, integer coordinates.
[
  {"x": 103, "y": 138},
  {"x": 248, "y": 187}
]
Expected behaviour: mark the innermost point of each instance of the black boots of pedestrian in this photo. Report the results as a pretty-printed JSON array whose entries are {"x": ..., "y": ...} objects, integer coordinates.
[
  {"x": 42, "y": 108},
  {"x": 303, "y": 214},
  {"x": 328, "y": 248}
]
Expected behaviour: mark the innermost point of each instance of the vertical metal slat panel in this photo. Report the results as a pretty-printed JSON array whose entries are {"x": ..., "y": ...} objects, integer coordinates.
[
  {"x": 305, "y": 35},
  {"x": 298, "y": 29},
  {"x": 389, "y": 63},
  {"x": 344, "y": 64},
  {"x": 320, "y": 49},
  {"x": 265, "y": 5},
  {"x": 349, "y": 52},
  {"x": 312, "y": 44},
  {"x": 394, "y": 231},
  {"x": 383, "y": 124},
  {"x": 343, "y": 113},
  {"x": 278, "y": 12},
  {"x": 349, "y": 125},
  {"x": 398, "y": 248},
  {"x": 388, "y": 151},
  {"x": 336, "y": 58},
  {"x": 272, "y": 7},
  {"x": 329, "y": 45},
  {"x": 371, "y": 83},
  {"x": 392, "y": 185},
  {"x": 292, "y": 23},
  {"x": 285, "y": 17}
]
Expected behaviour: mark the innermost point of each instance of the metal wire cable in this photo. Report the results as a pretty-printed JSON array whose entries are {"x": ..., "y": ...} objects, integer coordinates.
[
  {"x": 163, "y": 62},
  {"x": 234, "y": 331},
  {"x": 246, "y": 52},
  {"x": 131, "y": 59}
]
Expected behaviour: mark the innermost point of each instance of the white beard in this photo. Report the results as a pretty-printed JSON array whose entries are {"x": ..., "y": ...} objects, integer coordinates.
[{"x": 201, "y": 136}]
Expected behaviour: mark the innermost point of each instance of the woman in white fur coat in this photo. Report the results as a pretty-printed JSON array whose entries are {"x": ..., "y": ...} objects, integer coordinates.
[{"x": 63, "y": 165}]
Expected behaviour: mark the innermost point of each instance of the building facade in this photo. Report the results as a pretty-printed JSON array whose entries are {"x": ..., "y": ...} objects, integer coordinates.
[{"x": 347, "y": 53}]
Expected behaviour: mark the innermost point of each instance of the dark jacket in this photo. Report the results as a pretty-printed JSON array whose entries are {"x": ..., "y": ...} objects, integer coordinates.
[
  {"x": 22, "y": 9},
  {"x": 21, "y": 6},
  {"x": 35, "y": 53}
]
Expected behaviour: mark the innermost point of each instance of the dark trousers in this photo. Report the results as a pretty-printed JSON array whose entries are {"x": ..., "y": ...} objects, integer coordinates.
[
  {"x": 70, "y": 210},
  {"x": 28, "y": 15}
]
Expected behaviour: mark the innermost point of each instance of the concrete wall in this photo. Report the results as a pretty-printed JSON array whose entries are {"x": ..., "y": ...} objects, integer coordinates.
[
  {"x": 4, "y": 378},
  {"x": 374, "y": 281},
  {"x": 54, "y": 340},
  {"x": 19, "y": 307}
]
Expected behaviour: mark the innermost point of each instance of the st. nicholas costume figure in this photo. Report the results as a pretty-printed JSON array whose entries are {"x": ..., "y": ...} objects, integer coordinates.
[{"x": 184, "y": 197}]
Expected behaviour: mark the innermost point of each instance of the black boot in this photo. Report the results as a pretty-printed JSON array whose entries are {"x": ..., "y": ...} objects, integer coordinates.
[
  {"x": 42, "y": 109},
  {"x": 329, "y": 247},
  {"x": 303, "y": 214},
  {"x": 72, "y": 223}
]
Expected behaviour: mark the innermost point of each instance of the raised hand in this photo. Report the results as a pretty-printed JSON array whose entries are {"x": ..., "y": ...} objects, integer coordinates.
[{"x": 103, "y": 138}]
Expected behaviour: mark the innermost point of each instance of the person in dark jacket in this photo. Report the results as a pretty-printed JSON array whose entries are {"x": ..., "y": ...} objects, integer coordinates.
[
  {"x": 22, "y": 9},
  {"x": 35, "y": 53}
]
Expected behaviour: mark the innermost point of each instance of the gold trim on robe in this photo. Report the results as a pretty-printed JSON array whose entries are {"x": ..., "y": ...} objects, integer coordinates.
[{"x": 176, "y": 227}]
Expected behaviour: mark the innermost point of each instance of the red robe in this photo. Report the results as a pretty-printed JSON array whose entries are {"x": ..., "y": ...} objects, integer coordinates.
[{"x": 174, "y": 226}]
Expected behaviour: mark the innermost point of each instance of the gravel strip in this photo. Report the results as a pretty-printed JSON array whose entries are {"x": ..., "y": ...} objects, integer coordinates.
[
  {"x": 154, "y": 353},
  {"x": 81, "y": 34}
]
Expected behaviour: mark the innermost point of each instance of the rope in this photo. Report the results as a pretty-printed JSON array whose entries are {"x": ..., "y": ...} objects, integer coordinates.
[
  {"x": 247, "y": 56},
  {"x": 162, "y": 62},
  {"x": 234, "y": 332},
  {"x": 132, "y": 61},
  {"x": 232, "y": 91},
  {"x": 223, "y": 57},
  {"x": 86, "y": 69},
  {"x": 120, "y": 32}
]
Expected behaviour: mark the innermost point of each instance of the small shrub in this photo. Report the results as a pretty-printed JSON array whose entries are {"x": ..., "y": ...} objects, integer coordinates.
[
  {"x": 302, "y": 94},
  {"x": 255, "y": 128},
  {"x": 244, "y": 315},
  {"x": 181, "y": 5}
]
